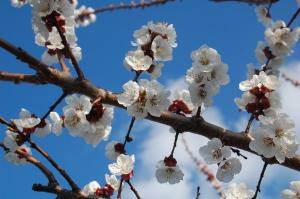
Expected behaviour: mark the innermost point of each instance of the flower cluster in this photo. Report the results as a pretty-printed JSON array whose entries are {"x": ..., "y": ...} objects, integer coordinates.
[
  {"x": 275, "y": 138},
  {"x": 293, "y": 192},
  {"x": 206, "y": 76},
  {"x": 167, "y": 170},
  {"x": 143, "y": 98},
  {"x": 154, "y": 44},
  {"x": 52, "y": 20},
  {"x": 279, "y": 41},
  {"x": 238, "y": 191},
  {"x": 91, "y": 121},
  {"x": 94, "y": 190},
  {"x": 259, "y": 97},
  {"x": 215, "y": 153},
  {"x": 84, "y": 16}
]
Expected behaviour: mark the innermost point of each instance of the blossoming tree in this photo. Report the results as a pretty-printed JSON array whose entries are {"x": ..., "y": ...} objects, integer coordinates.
[{"x": 88, "y": 110}]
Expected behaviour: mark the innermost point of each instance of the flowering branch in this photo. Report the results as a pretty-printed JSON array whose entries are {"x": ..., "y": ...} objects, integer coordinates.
[
  {"x": 260, "y": 179},
  {"x": 200, "y": 126}
]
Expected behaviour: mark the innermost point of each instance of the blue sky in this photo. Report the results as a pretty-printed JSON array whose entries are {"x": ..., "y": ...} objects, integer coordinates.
[{"x": 230, "y": 28}]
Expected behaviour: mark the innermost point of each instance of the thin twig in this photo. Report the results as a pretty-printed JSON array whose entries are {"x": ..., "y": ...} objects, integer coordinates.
[
  {"x": 62, "y": 63},
  {"x": 54, "y": 105},
  {"x": 122, "y": 6},
  {"x": 133, "y": 189},
  {"x": 69, "y": 51},
  {"x": 295, "y": 15},
  {"x": 198, "y": 112},
  {"x": 294, "y": 82},
  {"x": 73, "y": 185},
  {"x": 252, "y": 117},
  {"x": 119, "y": 195},
  {"x": 203, "y": 168},
  {"x": 260, "y": 179},
  {"x": 198, "y": 193},
  {"x": 127, "y": 137},
  {"x": 175, "y": 143},
  {"x": 238, "y": 153}
]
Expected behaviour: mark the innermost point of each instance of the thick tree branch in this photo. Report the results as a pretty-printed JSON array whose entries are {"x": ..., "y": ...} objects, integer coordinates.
[
  {"x": 193, "y": 125},
  {"x": 59, "y": 191}
]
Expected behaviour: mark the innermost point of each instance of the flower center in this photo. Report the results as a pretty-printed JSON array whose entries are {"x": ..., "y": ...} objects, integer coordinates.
[{"x": 269, "y": 142}]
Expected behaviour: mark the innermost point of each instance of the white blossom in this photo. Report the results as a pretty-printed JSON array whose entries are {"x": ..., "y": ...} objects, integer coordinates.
[
  {"x": 202, "y": 94},
  {"x": 14, "y": 158},
  {"x": 238, "y": 191},
  {"x": 75, "y": 122},
  {"x": 281, "y": 38},
  {"x": 162, "y": 50},
  {"x": 262, "y": 79},
  {"x": 137, "y": 60},
  {"x": 214, "y": 151},
  {"x": 82, "y": 103},
  {"x": 112, "y": 181},
  {"x": 228, "y": 168},
  {"x": 111, "y": 150},
  {"x": 168, "y": 174},
  {"x": 293, "y": 192},
  {"x": 123, "y": 166},
  {"x": 84, "y": 16},
  {"x": 57, "y": 123},
  {"x": 10, "y": 140},
  {"x": 152, "y": 98},
  {"x": 90, "y": 188},
  {"x": 263, "y": 15},
  {"x": 275, "y": 139}
]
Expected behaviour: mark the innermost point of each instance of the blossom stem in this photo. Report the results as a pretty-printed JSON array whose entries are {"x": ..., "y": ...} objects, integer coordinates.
[
  {"x": 137, "y": 75},
  {"x": 238, "y": 153},
  {"x": 73, "y": 185},
  {"x": 119, "y": 196},
  {"x": 53, "y": 106},
  {"x": 133, "y": 189},
  {"x": 198, "y": 193},
  {"x": 252, "y": 117},
  {"x": 260, "y": 179},
  {"x": 295, "y": 15},
  {"x": 175, "y": 143},
  {"x": 127, "y": 137},
  {"x": 62, "y": 63}
]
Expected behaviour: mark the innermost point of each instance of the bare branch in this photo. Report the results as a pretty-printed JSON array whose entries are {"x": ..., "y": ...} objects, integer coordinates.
[
  {"x": 54, "y": 105},
  {"x": 260, "y": 180},
  {"x": 59, "y": 191},
  {"x": 256, "y": 2},
  {"x": 133, "y": 189},
  {"x": 73, "y": 185},
  {"x": 20, "y": 78}
]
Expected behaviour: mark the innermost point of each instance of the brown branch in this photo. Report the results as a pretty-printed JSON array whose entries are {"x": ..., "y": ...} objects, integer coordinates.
[
  {"x": 203, "y": 168},
  {"x": 256, "y": 2},
  {"x": 59, "y": 191},
  {"x": 196, "y": 126},
  {"x": 54, "y": 105},
  {"x": 73, "y": 185},
  {"x": 133, "y": 189},
  {"x": 122, "y": 6},
  {"x": 294, "y": 82},
  {"x": 295, "y": 15},
  {"x": 69, "y": 51},
  {"x": 260, "y": 180},
  {"x": 62, "y": 63},
  {"x": 119, "y": 195},
  {"x": 20, "y": 78}
]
